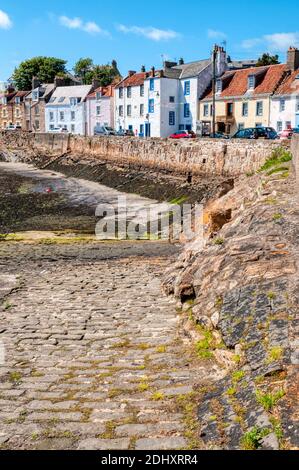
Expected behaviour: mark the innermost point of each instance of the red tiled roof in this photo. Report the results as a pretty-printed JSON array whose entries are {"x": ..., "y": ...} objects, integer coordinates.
[
  {"x": 238, "y": 85},
  {"x": 22, "y": 93},
  {"x": 290, "y": 84},
  {"x": 134, "y": 80},
  {"x": 107, "y": 92},
  {"x": 9, "y": 96}
]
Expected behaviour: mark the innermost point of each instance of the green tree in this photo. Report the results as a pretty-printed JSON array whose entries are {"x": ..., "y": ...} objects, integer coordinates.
[
  {"x": 106, "y": 74},
  {"x": 44, "y": 68},
  {"x": 87, "y": 71},
  {"x": 84, "y": 69},
  {"x": 267, "y": 59}
]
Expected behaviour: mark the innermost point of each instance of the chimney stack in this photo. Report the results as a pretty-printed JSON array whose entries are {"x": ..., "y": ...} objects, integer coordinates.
[
  {"x": 35, "y": 83},
  {"x": 95, "y": 84},
  {"x": 181, "y": 61},
  {"x": 293, "y": 59},
  {"x": 131, "y": 73},
  {"x": 143, "y": 69},
  {"x": 153, "y": 72}
]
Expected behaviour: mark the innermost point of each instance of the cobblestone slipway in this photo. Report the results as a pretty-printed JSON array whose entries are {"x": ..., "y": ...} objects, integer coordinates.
[{"x": 93, "y": 356}]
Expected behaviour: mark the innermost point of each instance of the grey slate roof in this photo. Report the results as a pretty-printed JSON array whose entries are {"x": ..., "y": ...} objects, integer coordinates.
[
  {"x": 62, "y": 95},
  {"x": 192, "y": 69},
  {"x": 241, "y": 64},
  {"x": 44, "y": 90}
]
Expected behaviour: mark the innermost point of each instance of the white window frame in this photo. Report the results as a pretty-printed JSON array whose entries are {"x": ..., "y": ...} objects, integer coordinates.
[{"x": 282, "y": 105}]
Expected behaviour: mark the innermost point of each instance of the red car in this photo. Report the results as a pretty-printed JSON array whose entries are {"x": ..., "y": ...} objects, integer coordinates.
[
  {"x": 287, "y": 134},
  {"x": 183, "y": 135}
]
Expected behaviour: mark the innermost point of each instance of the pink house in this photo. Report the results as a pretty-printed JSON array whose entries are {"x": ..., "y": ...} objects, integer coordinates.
[{"x": 100, "y": 108}]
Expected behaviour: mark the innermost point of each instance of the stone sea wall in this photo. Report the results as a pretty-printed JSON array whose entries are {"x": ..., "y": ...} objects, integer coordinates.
[
  {"x": 243, "y": 286},
  {"x": 199, "y": 157}
]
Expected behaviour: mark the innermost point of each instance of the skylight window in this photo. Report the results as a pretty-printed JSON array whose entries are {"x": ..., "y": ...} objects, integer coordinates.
[
  {"x": 251, "y": 82},
  {"x": 61, "y": 99}
]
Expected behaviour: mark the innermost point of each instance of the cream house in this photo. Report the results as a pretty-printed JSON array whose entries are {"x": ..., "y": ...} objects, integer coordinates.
[{"x": 243, "y": 99}]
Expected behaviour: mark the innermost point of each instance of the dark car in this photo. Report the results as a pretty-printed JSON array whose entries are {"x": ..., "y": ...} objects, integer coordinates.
[
  {"x": 256, "y": 133},
  {"x": 218, "y": 135},
  {"x": 125, "y": 133},
  {"x": 296, "y": 130}
]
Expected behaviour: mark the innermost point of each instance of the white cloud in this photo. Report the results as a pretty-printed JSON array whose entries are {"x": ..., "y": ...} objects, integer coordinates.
[
  {"x": 277, "y": 42},
  {"x": 282, "y": 41},
  {"x": 150, "y": 32},
  {"x": 213, "y": 34},
  {"x": 77, "y": 23},
  {"x": 5, "y": 21}
]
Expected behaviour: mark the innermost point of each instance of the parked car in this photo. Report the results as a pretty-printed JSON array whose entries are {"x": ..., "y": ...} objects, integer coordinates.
[
  {"x": 183, "y": 135},
  {"x": 58, "y": 130},
  {"x": 104, "y": 130},
  {"x": 218, "y": 135},
  {"x": 286, "y": 134},
  {"x": 296, "y": 130},
  {"x": 127, "y": 133},
  {"x": 13, "y": 127},
  {"x": 256, "y": 133}
]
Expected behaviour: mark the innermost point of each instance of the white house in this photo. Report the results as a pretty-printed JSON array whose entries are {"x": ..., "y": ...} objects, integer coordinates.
[
  {"x": 100, "y": 108},
  {"x": 285, "y": 102},
  {"x": 158, "y": 103},
  {"x": 67, "y": 109}
]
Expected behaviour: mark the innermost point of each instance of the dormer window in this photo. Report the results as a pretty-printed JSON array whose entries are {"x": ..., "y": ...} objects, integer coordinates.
[
  {"x": 18, "y": 100},
  {"x": 73, "y": 101},
  {"x": 219, "y": 86},
  {"x": 35, "y": 95},
  {"x": 251, "y": 82},
  {"x": 4, "y": 100},
  {"x": 98, "y": 95}
]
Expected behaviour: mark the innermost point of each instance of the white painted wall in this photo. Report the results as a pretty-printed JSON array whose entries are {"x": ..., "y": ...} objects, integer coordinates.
[
  {"x": 290, "y": 114},
  {"x": 125, "y": 121},
  {"x": 76, "y": 126},
  {"x": 105, "y": 117}
]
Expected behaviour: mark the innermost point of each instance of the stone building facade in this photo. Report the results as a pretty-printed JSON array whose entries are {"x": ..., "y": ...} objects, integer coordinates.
[{"x": 12, "y": 108}]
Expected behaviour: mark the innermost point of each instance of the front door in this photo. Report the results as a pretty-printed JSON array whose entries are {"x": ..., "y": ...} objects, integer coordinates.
[{"x": 147, "y": 129}]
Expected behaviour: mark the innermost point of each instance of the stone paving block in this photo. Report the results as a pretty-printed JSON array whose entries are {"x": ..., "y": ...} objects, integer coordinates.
[
  {"x": 167, "y": 443},
  {"x": 104, "y": 444}
]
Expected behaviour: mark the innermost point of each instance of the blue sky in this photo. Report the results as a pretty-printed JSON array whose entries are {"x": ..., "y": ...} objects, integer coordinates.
[{"x": 138, "y": 33}]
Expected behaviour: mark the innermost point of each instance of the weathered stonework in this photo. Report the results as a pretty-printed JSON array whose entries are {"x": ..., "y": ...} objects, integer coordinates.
[
  {"x": 199, "y": 157},
  {"x": 243, "y": 284}
]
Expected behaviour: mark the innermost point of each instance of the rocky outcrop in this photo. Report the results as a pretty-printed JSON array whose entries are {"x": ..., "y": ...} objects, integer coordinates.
[{"x": 243, "y": 285}]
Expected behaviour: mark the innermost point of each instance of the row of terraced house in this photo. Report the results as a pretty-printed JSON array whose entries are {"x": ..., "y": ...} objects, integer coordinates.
[{"x": 157, "y": 103}]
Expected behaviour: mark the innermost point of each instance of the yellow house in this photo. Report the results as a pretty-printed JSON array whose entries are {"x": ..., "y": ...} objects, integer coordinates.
[{"x": 243, "y": 99}]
